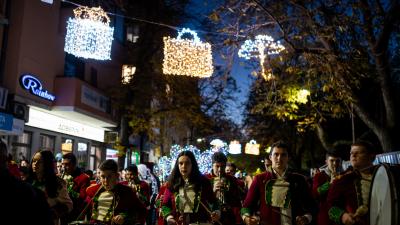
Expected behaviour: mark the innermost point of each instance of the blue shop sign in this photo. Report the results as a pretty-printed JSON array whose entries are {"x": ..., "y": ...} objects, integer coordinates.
[
  {"x": 34, "y": 86},
  {"x": 6, "y": 121}
]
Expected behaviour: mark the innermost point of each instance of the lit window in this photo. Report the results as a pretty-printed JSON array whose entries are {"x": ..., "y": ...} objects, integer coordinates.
[{"x": 127, "y": 73}]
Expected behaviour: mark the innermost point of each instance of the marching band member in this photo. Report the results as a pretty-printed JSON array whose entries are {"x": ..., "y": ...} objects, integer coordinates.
[
  {"x": 113, "y": 202},
  {"x": 281, "y": 196},
  {"x": 348, "y": 197},
  {"x": 321, "y": 183},
  {"x": 141, "y": 188},
  {"x": 189, "y": 198},
  {"x": 226, "y": 189}
]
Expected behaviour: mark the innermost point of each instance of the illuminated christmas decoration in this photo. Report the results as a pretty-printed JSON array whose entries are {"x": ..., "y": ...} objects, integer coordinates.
[
  {"x": 252, "y": 148},
  {"x": 235, "y": 147},
  {"x": 89, "y": 34},
  {"x": 188, "y": 57},
  {"x": 262, "y": 46},
  {"x": 204, "y": 159}
]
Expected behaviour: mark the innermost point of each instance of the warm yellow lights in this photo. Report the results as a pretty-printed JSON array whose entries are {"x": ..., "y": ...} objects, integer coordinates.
[{"x": 187, "y": 57}]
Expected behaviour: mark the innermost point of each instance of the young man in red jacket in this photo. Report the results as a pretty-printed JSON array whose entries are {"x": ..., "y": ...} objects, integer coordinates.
[
  {"x": 321, "y": 183},
  {"x": 113, "y": 202}
]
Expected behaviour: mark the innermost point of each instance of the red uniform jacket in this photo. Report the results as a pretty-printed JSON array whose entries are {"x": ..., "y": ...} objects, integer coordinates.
[
  {"x": 301, "y": 201},
  {"x": 143, "y": 190},
  {"x": 321, "y": 184},
  {"x": 126, "y": 203},
  {"x": 230, "y": 213},
  {"x": 345, "y": 196},
  {"x": 77, "y": 192},
  {"x": 205, "y": 195}
]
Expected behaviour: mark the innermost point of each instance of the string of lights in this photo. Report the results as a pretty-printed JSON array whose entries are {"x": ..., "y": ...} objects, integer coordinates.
[{"x": 161, "y": 24}]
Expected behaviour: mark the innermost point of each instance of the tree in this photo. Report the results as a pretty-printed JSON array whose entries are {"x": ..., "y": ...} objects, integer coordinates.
[{"x": 343, "y": 52}]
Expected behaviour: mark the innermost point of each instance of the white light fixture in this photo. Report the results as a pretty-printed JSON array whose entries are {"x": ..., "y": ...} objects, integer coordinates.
[{"x": 89, "y": 34}]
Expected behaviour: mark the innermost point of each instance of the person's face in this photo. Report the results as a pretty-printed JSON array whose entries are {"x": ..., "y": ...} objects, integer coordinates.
[
  {"x": 108, "y": 179},
  {"x": 333, "y": 163},
  {"x": 68, "y": 166},
  {"x": 185, "y": 166},
  {"x": 359, "y": 157},
  {"x": 24, "y": 163},
  {"x": 279, "y": 158},
  {"x": 37, "y": 163},
  {"x": 130, "y": 176},
  {"x": 267, "y": 163},
  {"x": 59, "y": 167},
  {"x": 218, "y": 168},
  {"x": 230, "y": 170}
]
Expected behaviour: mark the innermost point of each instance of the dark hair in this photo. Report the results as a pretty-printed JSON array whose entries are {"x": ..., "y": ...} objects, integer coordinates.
[
  {"x": 89, "y": 173},
  {"x": 231, "y": 165},
  {"x": 133, "y": 169},
  {"x": 219, "y": 157},
  {"x": 280, "y": 144},
  {"x": 367, "y": 145},
  {"x": 332, "y": 153},
  {"x": 175, "y": 179},
  {"x": 109, "y": 165},
  {"x": 71, "y": 157},
  {"x": 52, "y": 183}
]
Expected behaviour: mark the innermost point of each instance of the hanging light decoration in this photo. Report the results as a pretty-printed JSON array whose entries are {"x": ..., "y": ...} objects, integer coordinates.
[
  {"x": 89, "y": 34},
  {"x": 189, "y": 57},
  {"x": 262, "y": 46}
]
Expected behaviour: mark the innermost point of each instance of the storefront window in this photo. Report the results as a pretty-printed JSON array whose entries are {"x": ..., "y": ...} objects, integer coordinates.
[
  {"x": 82, "y": 155},
  {"x": 21, "y": 147},
  {"x": 95, "y": 157},
  {"x": 47, "y": 142}
]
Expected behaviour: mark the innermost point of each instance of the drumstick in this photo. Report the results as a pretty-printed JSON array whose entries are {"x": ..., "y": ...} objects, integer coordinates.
[
  {"x": 205, "y": 207},
  {"x": 280, "y": 213}
]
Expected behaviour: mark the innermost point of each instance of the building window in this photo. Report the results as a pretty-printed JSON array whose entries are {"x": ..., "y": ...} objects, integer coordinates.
[
  {"x": 82, "y": 155},
  {"x": 93, "y": 77},
  {"x": 95, "y": 157},
  {"x": 47, "y": 142},
  {"x": 74, "y": 67},
  {"x": 21, "y": 147},
  {"x": 127, "y": 73},
  {"x": 132, "y": 33}
]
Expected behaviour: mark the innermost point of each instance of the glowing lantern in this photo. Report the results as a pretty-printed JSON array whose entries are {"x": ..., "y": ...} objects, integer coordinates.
[
  {"x": 235, "y": 147},
  {"x": 252, "y": 148},
  {"x": 89, "y": 34},
  {"x": 187, "y": 57}
]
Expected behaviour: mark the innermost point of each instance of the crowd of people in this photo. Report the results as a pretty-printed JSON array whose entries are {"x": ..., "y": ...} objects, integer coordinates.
[{"x": 51, "y": 192}]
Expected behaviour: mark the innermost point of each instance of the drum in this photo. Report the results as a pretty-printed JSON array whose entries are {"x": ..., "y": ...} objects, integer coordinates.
[{"x": 384, "y": 196}]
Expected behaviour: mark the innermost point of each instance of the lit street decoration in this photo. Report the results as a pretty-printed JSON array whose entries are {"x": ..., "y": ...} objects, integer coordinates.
[
  {"x": 89, "y": 34},
  {"x": 189, "y": 57},
  {"x": 252, "y": 148},
  {"x": 262, "y": 46},
  {"x": 204, "y": 159},
  {"x": 235, "y": 147}
]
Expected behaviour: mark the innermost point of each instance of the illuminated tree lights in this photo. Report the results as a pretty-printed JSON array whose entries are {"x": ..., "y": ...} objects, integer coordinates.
[
  {"x": 89, "y": 34},
  {"x": 262, "y": 46},
  {"x": 204, "y": 159},
  {"x": 187, "y": 57}
]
